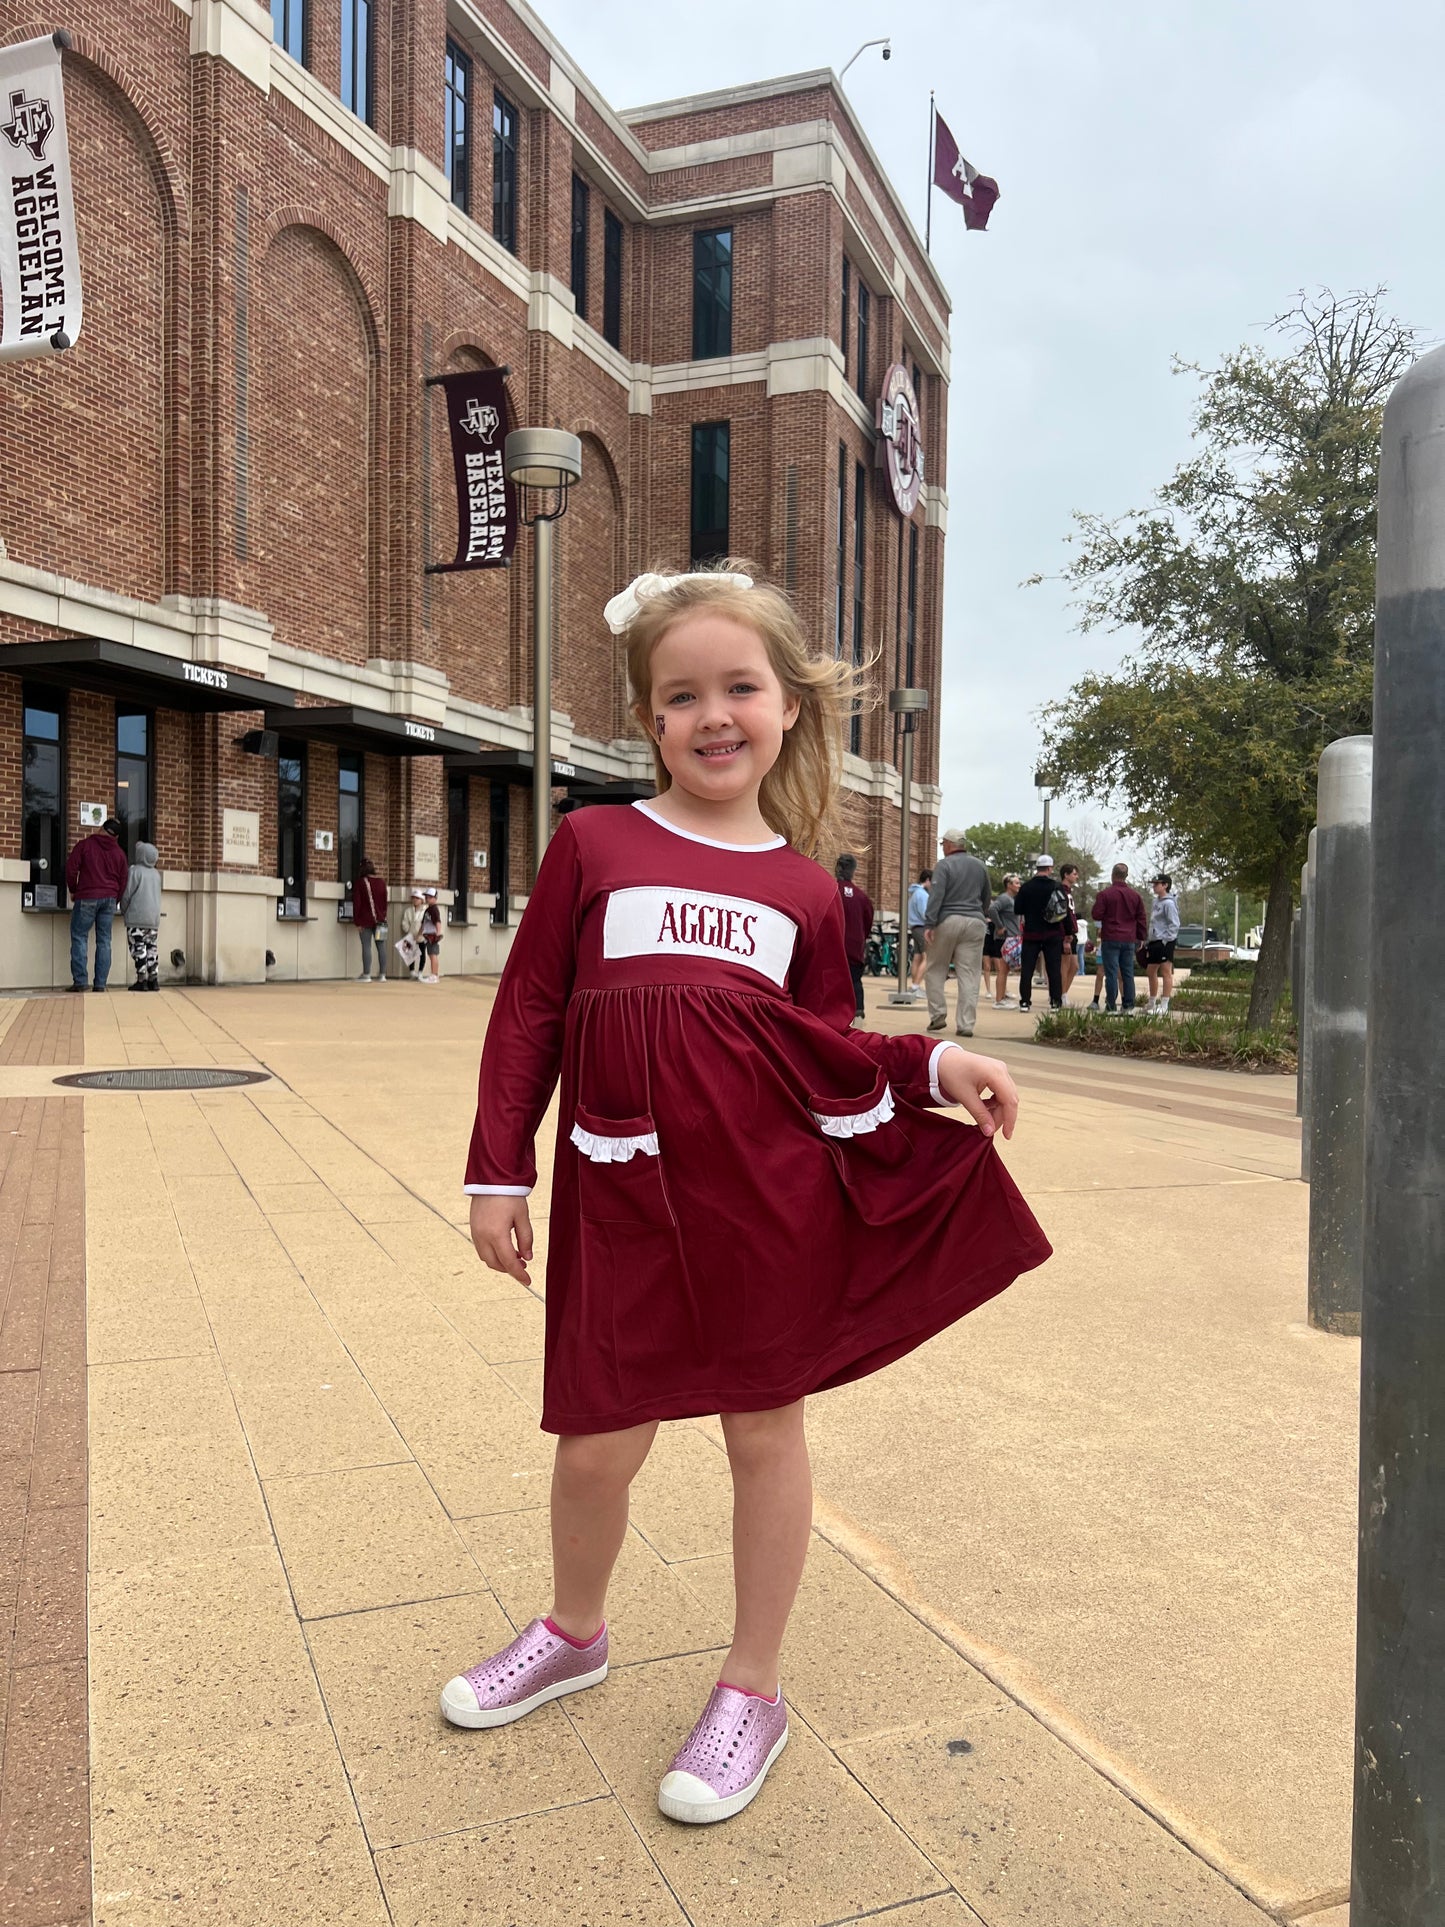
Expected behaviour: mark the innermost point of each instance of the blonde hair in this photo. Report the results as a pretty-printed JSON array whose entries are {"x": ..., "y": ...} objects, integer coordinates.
[{"x": 799, "y": 795}]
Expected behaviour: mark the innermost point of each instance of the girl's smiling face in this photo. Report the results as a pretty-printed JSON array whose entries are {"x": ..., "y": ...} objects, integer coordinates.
[{"x": 716, "y": 707}]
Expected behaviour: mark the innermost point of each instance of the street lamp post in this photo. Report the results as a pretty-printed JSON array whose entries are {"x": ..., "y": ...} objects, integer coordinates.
[
  {"x": 542, "y": 464},
  {"x": 905, "y": 704},
  {"x": 1047, "y": 786}
]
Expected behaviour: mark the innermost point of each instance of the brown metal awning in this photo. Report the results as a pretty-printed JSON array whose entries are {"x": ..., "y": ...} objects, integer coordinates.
[
  {"x": 515, "y": 766},
  {"x": 368, "y": 729},
  {"x": 130, "y": 674}
]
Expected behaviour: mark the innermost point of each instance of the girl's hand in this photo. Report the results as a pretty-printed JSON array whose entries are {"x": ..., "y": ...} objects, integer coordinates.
[
  {"x": 502, "y": 1233},
  {"x": 963, "y": 1078}
]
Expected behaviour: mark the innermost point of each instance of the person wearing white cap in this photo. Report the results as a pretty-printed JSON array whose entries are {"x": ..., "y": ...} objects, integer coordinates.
[
  {"x": 430, "y": 936},
  {"x": 1043, "y": 912},
  {"x": 411, "y": 918},
  {"x": 954, "y": 928}
]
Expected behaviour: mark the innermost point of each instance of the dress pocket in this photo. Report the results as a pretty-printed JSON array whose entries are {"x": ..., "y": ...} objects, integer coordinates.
[
  {"x": 870, "y": 1148},
  {"x": 620, "y": 1177}
]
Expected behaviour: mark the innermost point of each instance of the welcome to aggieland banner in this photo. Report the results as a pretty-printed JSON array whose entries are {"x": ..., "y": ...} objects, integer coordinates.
[
  {"x": 486, "y": 502},
  {"x": 40, "y": 304}
]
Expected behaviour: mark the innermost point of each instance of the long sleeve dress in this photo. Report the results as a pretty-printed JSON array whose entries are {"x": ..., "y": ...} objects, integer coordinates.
[{"x": 750, "y": 1201}]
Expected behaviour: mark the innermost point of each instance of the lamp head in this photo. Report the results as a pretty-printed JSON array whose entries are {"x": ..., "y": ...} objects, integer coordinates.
[{"x": 544, "y": 458}]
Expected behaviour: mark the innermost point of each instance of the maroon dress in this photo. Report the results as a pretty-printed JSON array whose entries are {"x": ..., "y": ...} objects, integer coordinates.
[{"x": 750, "y": 1200}]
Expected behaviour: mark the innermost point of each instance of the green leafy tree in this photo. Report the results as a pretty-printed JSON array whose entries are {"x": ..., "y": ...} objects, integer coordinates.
[
  {"x": 1250, "y": 582},
  {"x": 1010, "y": 848}
]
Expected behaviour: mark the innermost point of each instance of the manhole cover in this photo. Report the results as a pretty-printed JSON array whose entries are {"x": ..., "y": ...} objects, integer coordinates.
[{"x": 172, "y": 1078}]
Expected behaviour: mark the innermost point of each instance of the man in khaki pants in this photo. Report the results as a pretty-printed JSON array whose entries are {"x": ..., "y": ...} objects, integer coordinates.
[{"x": 954, "y": 930}]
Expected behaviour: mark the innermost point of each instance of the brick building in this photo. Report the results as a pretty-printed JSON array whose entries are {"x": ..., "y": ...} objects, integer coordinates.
[{"x": 216, "y": 510}]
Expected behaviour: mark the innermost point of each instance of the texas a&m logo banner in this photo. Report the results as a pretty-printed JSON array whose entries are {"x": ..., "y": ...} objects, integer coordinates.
[
  {"x": 486, "y": 503},
  {"x": 39, "y": 261}
]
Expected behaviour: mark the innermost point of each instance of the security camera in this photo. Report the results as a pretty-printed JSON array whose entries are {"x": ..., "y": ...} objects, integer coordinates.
[{"x": 887, "y": 53}]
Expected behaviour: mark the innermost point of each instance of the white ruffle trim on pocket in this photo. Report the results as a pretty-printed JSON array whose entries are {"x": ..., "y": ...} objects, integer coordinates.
[
  {"x": 613, "y": 1150},
  {"x": 860, "y": 1123}
]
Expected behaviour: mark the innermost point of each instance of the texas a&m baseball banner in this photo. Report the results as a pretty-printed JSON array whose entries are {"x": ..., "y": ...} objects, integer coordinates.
[
  {"x": 39, "y": 262},
  {"x": 486, "y": 502}
]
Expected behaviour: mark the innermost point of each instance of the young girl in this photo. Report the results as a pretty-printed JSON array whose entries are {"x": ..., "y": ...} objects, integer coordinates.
[
  {"x": 751, "y": 1201},
  {"x": 430, "y": 937}
]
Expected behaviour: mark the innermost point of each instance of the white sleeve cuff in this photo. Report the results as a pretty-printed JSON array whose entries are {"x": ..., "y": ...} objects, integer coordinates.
[
  {"x": 498, "y": 1190},
  {"x": 933, "y": 1063}
]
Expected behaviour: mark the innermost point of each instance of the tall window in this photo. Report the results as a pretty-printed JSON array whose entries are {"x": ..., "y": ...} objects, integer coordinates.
[
  {"x": 459, "y": 836},
  {"x": 712, "y": 293},
  {"x": 912, "y": 602},
  {"x": 133, "y": 744},
  {"x": 580, "y": 199},
  {"x": 860, "y": 532},
  {"x": 499, "y": 851},
  {"x": 288, "y": 26},
  {"x": 459, "y": 126},
  {"x": 840, "y": 622},
  {"x": 504, "y": 171},
  {"x": 860, "y": 360},
  {"x": 611, "y": 278},
  {"x": 350, "y": 823},
  {"x": 356, "y": 57},
  {"x": 291, "y": 827},
  {"x": 711, "y": 463},
  {"x": 847, "y": 327},
  {"x": 42, "y": 815}
]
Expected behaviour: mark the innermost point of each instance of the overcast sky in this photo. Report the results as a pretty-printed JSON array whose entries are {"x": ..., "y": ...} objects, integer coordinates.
[{"x": 1170, "y": 175}]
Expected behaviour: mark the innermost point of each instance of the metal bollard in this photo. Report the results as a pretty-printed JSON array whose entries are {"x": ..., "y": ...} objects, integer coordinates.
[
  {"x": 1305, "y": 1015},
  {"x": 1337, "y": 1059},
  {"x": 1398, "y": 1869}
]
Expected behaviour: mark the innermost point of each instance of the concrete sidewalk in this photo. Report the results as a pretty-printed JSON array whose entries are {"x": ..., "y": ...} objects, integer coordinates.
[{"x": 1073, "y": 1648}]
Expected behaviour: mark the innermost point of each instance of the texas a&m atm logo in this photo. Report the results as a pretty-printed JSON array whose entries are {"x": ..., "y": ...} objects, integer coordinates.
[{"x": 31, "y": 124}]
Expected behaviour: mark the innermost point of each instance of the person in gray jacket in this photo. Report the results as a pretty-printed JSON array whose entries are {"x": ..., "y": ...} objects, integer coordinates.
[
  {"x": 140, "y": 906},
  {"x": 954, "y": 930},
  {"x": 1163, "y": 933}
]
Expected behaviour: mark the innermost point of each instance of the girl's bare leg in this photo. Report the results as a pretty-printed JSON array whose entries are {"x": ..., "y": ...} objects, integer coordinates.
[
  {"x": 772, "y": 1517},
  {"x": 590, "y": 1477}
]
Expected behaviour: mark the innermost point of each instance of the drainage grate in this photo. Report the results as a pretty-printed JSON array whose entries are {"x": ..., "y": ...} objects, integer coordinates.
[{"x": 170, "y": 1079}]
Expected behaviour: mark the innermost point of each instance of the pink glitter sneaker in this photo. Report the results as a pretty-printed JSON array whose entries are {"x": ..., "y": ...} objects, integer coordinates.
[
  {"x": 725, "y": 1759},
  {"x": 538, "y": 1666}
]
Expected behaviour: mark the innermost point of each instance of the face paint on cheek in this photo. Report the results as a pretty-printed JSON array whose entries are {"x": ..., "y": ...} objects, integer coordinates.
[{"x": 661, "y": 722}]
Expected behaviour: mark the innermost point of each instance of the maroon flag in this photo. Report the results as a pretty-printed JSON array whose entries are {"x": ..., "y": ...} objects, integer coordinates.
[
  {"x": 961, "y": 181},
  {"x": 478, "y": 418}
]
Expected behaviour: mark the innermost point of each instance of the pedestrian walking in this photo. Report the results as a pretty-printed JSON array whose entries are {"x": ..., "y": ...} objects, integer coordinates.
[
  {"x": 917, "y": 926},
  {"x": 1163, "y": 935},
  {"x": 1123, "y": 926},
  {"x": 1069, "y": 877},
  {"x": 140, "y": 908},
  {"x": 857, "y": 923},
  {"x": 954, "y": 929},
  {"x": 430, "y": 933},
  {"x": 1042, "y": 905},
  {"x": 96, "y": 874},
  {"x": 751, "y": 1201},
  {"x": 368, "y": 912},
  {"x": 1004, "y": 944}
]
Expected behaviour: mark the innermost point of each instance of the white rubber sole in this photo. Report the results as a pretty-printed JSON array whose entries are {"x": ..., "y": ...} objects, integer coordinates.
[
  {"x": 704, "y": 1812},
  {"x": 459, "y": 1702}
]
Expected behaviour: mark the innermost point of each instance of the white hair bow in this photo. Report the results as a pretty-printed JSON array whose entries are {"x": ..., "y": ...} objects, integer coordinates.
[{"x": 622, "y": 611}]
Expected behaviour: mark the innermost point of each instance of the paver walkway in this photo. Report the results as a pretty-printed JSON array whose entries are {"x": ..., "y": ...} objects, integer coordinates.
[{"x": 317, "y": 1488}]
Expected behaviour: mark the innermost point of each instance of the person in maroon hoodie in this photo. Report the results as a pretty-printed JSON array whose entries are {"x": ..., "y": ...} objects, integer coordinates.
[
  {"x": 857, "y": 922},
  {"x": 1123, "y": 926},
  {"x": 96, "y": 873},
  {"x": 368, "y": 913}
]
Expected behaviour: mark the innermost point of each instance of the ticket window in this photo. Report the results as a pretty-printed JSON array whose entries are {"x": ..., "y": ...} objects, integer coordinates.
[
  {"x": 350, "y": 818},
  {"x": 291, "y": 828},
  {"x": 134, "y": 737},
  {"x": 42, "y": 813}
]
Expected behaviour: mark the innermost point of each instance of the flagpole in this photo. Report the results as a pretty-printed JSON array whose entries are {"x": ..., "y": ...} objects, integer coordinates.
[{"x": 928, "y": 217}]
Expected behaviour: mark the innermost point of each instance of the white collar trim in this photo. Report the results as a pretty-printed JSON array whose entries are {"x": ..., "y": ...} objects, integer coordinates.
[{"x": 711, "y": 843}]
